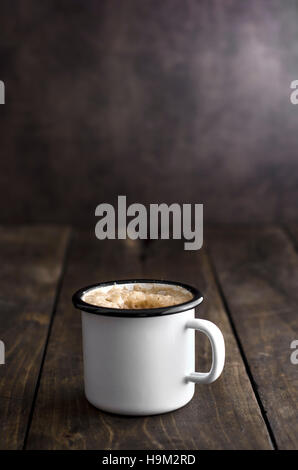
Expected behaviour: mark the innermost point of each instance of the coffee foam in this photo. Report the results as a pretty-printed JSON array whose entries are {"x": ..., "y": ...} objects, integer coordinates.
[{"x": 137, "y": 295}]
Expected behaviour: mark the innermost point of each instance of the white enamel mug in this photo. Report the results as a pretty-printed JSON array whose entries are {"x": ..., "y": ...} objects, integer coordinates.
[{"x": 142, "y": 362}]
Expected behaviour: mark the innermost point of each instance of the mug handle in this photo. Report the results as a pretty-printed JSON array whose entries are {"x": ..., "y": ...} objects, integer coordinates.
[{"x": 218, "y": 351}]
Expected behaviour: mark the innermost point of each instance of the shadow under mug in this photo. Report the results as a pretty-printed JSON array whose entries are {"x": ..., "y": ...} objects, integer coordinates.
[{"x": 142, "y": 361}]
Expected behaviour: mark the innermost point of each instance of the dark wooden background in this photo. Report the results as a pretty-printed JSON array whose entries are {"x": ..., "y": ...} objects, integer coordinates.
[{"x": 164, "y": 101}]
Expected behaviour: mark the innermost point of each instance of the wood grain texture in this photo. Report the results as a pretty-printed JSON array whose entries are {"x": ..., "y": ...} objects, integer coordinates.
[
  {"x": 221, "y": 416},
  {"x": 258, "y": 271},
  {"x": 31, "y": 263}
]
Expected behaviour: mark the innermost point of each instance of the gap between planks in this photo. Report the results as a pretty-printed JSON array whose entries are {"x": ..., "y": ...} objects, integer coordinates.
[
  {"x": 241, "y": 350},
  {"x": 55, "y": 304}
]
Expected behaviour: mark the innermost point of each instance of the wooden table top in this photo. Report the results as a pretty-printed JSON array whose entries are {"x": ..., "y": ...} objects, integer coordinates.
[{"x": 249, "y": 278}]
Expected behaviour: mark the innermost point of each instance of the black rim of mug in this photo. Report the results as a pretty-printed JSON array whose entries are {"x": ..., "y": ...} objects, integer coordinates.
[{"x": 148, "y": 312}]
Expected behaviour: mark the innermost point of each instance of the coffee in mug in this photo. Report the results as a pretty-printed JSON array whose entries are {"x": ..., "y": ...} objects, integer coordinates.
[
  {"x": 137, "y": 296},
  {"x": 139, "y": 345}
]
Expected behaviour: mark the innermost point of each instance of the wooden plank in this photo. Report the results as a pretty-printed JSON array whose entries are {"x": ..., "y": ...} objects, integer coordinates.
[
  {"x": 31, "y": 263},
  {"x": 258, "y": 271},
  {"x": 222, "y": 415}
]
